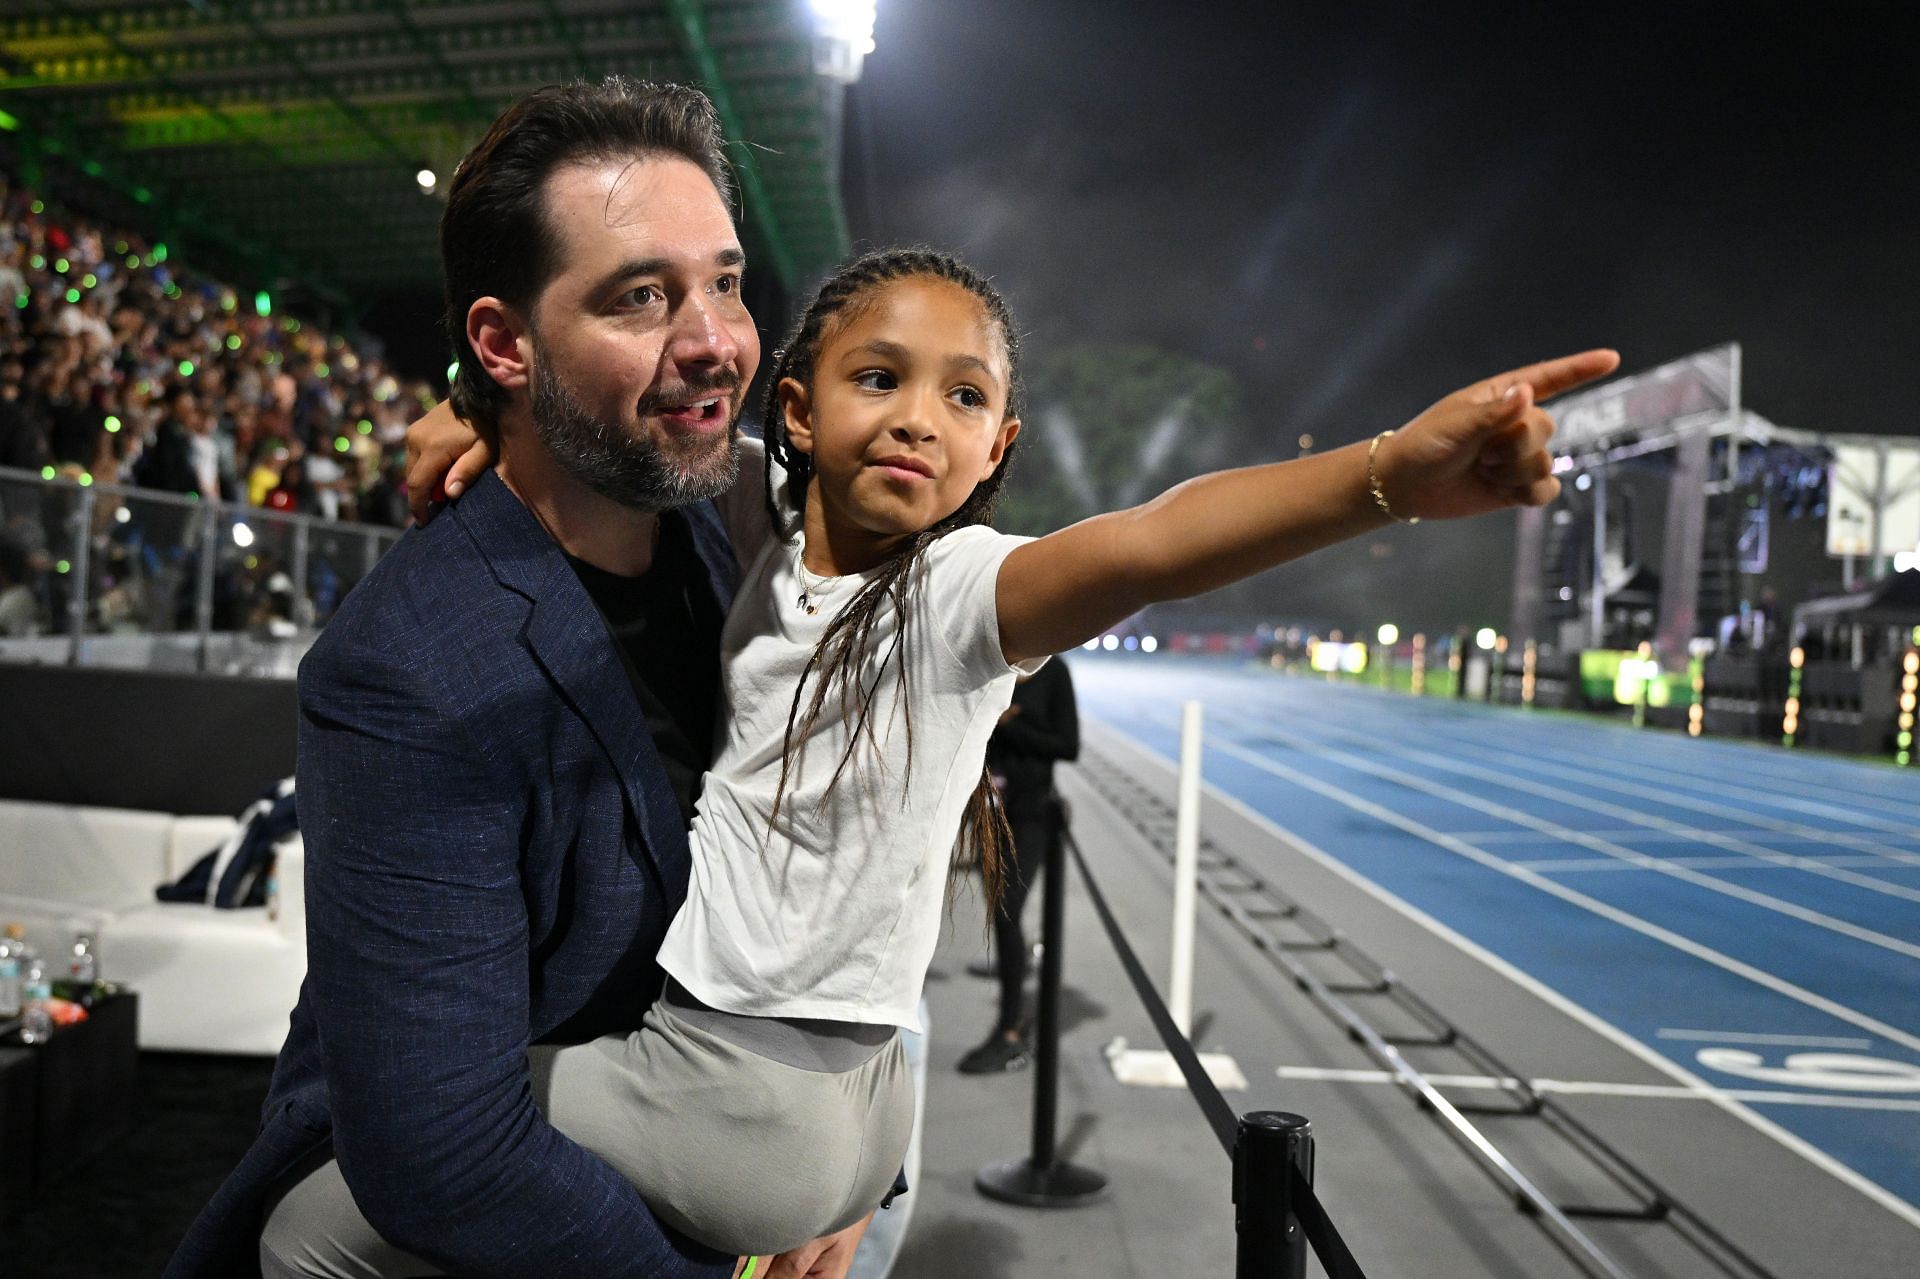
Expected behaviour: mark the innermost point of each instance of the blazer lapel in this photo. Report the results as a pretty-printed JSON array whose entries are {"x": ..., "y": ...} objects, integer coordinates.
[{"x": 569, "y": 638}]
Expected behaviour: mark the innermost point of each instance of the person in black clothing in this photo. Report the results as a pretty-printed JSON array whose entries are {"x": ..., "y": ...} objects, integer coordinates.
[{"x": 1041, "y": 727}]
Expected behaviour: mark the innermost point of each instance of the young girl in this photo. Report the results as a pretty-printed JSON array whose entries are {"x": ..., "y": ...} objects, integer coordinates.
[{"x": 876, "y": 636}]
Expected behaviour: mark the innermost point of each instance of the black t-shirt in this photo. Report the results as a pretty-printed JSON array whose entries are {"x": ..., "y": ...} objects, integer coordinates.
[{"x": 666, "y": 626}]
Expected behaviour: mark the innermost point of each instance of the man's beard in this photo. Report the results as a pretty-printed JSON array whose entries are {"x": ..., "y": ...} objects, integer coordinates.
[{"x": 629, "y": 469}]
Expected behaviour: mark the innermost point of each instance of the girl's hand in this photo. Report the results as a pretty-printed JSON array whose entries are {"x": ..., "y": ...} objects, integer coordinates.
[
  {"x": 444, "y": 456},
  {"x": 1483, "y": 448}
]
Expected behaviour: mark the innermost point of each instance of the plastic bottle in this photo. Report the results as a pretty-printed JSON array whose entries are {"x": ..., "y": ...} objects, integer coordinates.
[
  {"x": 83, "y": 968},
  {"x": 12, "y": 943},
  {"x": 36, "y": 1019}
]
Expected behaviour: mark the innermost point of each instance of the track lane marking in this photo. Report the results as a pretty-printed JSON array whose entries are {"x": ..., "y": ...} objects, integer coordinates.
[
  {"x": 1520, "y": 817},
  {"x": 1649, "y": 821},
  {"x": 1597, "y": 1088},
  {"x": 1606, "y": 1030},
  {"x": 1585, "y": 774}
]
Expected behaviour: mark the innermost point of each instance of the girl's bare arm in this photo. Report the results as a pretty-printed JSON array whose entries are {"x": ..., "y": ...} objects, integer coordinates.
[{"x": 1481, "y": 449}]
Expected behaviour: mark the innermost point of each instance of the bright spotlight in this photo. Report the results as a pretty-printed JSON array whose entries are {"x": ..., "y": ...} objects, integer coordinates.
[
  {"x": 1110, "y": 642},
  {"x": 427, "y": 178},
  {"x": 1485, "y": 637},
  {"x": 1131, "y": 643},
  {"x": 1148, "y": 644},
  {"x": 1388, "y": 633},
  {"x": 242, "y": 535},
  {"x": 1583, "y": 481},
  {"x": 1091, "y": 645},
  {"x": 844, "y": 37}
]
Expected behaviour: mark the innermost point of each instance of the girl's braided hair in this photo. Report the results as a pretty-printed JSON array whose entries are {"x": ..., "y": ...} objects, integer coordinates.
[{"x": 846, "y": 647}]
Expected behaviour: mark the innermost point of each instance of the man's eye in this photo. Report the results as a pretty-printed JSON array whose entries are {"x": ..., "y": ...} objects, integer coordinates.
[
  {"x": 645, "y": 295},
  {"x": 728, "y": 284},
  {"x": 874, "y": 380}
]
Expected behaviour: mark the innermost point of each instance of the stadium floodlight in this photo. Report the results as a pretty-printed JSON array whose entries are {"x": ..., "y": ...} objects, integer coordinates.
[
  {"x": 1148, "y": 644},
  {"x": 1388, "y": 633},
  {"x": 1485, "y": 637},
  {"x": 1110, "y": 642},
  {"x": 242, "y": 535},
  {"x": 427, "y": 179},
  {"x": 843, "y": 37}
]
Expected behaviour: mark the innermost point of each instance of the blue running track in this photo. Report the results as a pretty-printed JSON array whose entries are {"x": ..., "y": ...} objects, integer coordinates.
[{"x": 1751, "y": 915}]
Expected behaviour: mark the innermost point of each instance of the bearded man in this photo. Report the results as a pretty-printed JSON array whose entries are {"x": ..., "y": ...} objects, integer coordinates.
[{"x": 503, "y": 729}]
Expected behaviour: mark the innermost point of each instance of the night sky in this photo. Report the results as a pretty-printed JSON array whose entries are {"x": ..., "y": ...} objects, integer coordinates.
[{"x": 1355, "y": 211}]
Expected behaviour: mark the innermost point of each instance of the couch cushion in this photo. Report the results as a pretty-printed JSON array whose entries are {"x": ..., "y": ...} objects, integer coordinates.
[
  {"x": 101, "y": 859},
  {"x": 209, "y": 980}
]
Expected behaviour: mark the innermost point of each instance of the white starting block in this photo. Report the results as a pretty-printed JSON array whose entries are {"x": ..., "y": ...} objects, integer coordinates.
[{"x": 1156, "y": 1068}]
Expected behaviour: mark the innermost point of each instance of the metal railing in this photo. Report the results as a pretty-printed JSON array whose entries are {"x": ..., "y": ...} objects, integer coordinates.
[{"x": 122, "y": 576}]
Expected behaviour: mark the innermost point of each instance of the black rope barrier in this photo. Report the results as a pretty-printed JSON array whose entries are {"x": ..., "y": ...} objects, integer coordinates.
[{"x": 1276, "y": 1212}]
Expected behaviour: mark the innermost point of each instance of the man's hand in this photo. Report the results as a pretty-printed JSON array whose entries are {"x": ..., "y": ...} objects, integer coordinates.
[
  {"x": 1483, "y": 448},
  {"x": 444, "y": 455},
  {"x": 825, "y": 1258}
]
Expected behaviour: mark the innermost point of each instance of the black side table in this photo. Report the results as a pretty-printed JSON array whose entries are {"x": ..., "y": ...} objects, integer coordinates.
[
  {"x": 19, "y": 1073},
  {"x": 68, "y": 1100},
  {"x": 87, "y": 1084}
]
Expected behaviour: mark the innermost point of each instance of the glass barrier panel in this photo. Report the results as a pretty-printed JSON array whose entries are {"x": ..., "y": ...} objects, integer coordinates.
[{"x": 36, "y": 536}]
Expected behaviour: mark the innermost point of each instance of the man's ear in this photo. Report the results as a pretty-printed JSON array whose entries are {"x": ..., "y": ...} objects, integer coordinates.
[
  {"x": 497, "y": 335},
  {"x": 796, "y": 411},
  {"x": 1009, "y": 429}
]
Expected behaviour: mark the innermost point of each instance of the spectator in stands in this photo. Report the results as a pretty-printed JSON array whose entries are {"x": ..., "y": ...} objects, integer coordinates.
[{"x": 19, "y": 609}]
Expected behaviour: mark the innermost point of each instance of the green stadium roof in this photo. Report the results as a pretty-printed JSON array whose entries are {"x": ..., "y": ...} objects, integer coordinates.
[{"x": 287, "y": 133}]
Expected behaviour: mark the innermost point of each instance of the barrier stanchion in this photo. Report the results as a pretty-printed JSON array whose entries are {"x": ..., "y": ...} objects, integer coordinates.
[
  {"x": 1269, "y": 1146},
  {"x": 1271, "y": 1150},
  {"x": 1041, "y": 1180}
]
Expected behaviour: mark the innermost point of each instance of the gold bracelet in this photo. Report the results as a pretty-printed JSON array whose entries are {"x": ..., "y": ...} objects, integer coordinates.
[{"x": 1373, "y": 483}]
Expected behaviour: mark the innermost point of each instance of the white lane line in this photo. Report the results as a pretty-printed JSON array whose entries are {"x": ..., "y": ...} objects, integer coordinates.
[
  {"x": 1751, "y": 1037},
  {"x": 1585, "y": 775},
  {"x": 1556, "y": 865},
  {"x": 1546, "y": 994},
  {"x": 1594, "y": 1088},
  {"x": 1663, "y": 760},
  {"x": 1892, "y": 816},
  {"x": 1740, "y": 968},
  {"x": 1446, "y": 732},
  {"x": 1519, "y": 817}
]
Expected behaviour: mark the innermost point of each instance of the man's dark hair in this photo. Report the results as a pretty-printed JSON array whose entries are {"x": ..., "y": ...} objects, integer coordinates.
[{"x": 495, "y": 240}]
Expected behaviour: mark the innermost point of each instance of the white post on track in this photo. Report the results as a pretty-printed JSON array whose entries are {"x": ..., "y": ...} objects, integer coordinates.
[
  {"x": 1186, "y": 870},
  {"x": 1155, "y": 1067}
]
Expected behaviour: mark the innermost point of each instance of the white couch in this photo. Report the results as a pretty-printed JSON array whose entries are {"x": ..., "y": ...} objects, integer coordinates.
[{"x": 216, "y": 981}]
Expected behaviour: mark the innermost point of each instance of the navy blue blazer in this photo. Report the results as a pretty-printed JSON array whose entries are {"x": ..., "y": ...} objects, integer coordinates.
[{"x": 493, "y": 855}]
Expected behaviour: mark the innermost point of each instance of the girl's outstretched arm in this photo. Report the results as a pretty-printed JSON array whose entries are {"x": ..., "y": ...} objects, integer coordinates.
[{"x": 1481, "y": 449}]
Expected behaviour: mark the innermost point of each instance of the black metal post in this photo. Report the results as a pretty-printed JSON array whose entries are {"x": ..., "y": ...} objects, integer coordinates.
[
  {"x": 1267, "y": 1147},
  {"x": 1041, "y": 1180}
]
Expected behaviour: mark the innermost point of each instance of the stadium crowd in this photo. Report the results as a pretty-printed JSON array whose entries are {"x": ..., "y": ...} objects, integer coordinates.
[{"x": 120, "y": 366}]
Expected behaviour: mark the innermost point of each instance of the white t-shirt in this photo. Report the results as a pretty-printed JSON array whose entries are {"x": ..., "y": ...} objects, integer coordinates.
[{"x": 835, "y": 911}]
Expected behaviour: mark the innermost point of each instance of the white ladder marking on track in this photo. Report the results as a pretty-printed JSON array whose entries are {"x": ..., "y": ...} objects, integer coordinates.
[{"x": 1800, "y": 1146}]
